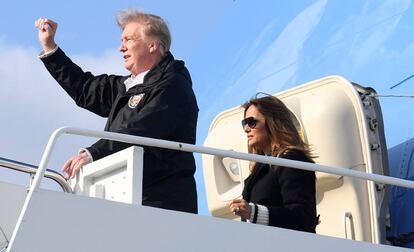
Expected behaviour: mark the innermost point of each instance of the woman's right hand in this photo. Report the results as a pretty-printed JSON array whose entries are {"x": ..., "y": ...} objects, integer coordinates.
[
  {"x": 241, "y": 208},
  {"x": 47, "y": 30}
]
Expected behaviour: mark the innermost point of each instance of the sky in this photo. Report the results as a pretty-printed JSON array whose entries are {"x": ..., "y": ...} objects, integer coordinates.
[{"x": 233, "y": 49}]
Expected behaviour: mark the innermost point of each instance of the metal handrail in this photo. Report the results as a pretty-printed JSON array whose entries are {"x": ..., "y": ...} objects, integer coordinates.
[
  {"x": 137, "y": 140},
  {"x": 31, "y": 169},
  {"x": 146, "y": 141}
]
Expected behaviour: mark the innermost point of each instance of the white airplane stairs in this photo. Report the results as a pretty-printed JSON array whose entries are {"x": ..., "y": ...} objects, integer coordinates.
[{"x": 104, "y": 211}]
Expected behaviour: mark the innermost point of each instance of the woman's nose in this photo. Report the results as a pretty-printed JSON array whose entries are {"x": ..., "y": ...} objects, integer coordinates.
[{"x": 246, "y": 128}]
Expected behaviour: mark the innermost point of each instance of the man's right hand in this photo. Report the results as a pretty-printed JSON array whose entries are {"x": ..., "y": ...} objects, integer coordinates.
[
  {"x": 75, "y": 163},
  {"x": 47, "y": 30}
]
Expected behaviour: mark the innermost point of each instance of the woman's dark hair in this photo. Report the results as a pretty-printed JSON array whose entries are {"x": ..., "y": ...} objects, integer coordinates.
[{"x": 280, "y": 126}]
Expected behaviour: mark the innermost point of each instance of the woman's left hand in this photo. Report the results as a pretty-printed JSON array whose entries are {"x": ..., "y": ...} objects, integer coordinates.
[{"x": 241, "y": 208}]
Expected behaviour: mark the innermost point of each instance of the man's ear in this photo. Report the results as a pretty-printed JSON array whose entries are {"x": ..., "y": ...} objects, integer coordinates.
[{"x": 154, "y": 46}]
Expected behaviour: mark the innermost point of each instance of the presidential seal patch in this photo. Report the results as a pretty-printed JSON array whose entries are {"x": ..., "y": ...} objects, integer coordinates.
[{"x": 134, "y": 100}]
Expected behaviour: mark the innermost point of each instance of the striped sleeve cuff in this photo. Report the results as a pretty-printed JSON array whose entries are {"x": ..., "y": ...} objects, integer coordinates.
[
  {"x": 259, "y": 214},
  {"x": 262, "y": 215},
  {"x": 252, "y": 212}
]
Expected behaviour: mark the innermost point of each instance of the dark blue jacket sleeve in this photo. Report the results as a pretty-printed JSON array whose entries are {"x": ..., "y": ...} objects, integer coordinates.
[{"x": 94, "y": 93}]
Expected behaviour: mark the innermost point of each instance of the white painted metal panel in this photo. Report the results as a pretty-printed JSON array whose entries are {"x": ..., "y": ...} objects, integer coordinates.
[
  {"x": 64, "y": 222},
  {"x": 11, "y": 202},
  {"x": 117, "y": 177}
]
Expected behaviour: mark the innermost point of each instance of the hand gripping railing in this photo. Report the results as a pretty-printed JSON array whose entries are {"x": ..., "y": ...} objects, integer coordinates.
[
  {"x": 198, "y": 149},
  {"x": 31, "y": 169}
]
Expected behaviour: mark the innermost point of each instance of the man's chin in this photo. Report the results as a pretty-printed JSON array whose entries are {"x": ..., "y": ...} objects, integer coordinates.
[{"x": 128, "y": 67}]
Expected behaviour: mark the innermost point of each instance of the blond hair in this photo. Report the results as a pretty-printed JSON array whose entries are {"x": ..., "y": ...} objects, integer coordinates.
[{"x": 154, "y": 26}]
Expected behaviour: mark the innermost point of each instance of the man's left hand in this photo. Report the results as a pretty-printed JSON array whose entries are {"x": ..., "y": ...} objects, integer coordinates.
[{"x": 75, "y": 163}]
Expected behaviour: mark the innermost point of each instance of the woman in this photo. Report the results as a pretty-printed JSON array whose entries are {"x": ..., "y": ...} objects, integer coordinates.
[{"x": 273, "y": 195}]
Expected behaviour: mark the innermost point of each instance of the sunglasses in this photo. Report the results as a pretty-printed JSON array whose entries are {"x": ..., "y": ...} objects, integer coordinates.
[{"x": 249, "y": 121}]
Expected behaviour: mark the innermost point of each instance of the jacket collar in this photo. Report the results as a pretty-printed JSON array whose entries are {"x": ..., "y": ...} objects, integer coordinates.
[
  {"x": 153, "y": 75},
  {"x": 258, "y": 171},
  {"x": 158, "y": 70}
]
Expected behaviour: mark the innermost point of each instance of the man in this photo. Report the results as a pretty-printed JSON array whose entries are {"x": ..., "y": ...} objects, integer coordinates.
[{"x": 155, "y": 101}]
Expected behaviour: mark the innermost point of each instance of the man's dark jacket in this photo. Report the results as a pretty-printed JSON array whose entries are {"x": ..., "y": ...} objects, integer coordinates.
[
  {"x": 167, "y": 110},
  {"x": 288, "y": 193}
]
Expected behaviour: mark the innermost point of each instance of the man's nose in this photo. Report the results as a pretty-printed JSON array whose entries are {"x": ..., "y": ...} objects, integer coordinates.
[{"x": 122, "y": 47}]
